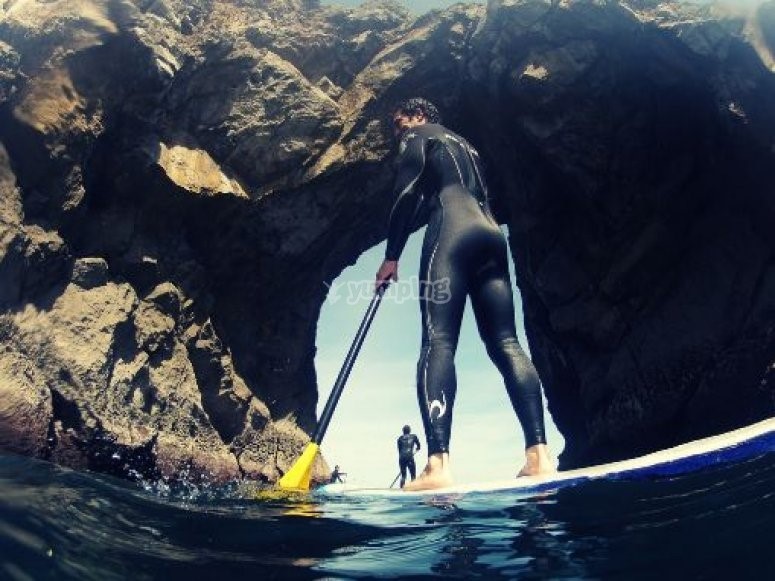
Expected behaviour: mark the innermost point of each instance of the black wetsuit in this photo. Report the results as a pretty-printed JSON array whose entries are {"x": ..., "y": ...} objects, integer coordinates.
[
  {"x": 406, "y": 444},
  {"x": 464, "y": 254},
  {"x": 336, "y": 476}
]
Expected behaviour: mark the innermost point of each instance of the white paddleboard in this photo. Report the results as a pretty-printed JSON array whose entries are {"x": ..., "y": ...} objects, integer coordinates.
[{"x": 738, "y": 444}]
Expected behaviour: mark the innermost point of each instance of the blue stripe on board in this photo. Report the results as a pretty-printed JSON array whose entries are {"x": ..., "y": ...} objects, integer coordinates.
[
  {"x": 753, "y": 447},
  {"x": 757, "y": 445}
]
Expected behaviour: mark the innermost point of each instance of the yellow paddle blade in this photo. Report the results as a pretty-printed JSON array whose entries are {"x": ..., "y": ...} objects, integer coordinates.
[{"x": 297, "y": 478}]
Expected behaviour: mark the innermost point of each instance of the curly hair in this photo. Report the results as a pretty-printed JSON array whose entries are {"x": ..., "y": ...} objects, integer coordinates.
[{"x": 418, "y": 106}]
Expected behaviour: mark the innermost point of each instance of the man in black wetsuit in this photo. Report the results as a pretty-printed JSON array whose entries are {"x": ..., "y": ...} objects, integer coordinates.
[
  {"x": 464, "y": 254},
  {"x": 406, "y": 449}
]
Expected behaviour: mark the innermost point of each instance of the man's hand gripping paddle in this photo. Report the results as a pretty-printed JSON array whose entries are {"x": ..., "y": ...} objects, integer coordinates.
[{"x": 298, "y": 477}]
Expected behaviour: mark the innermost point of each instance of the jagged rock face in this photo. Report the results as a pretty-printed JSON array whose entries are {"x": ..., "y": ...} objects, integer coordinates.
[
  {"x": 333, "y": 48},
  {"x": 117, "y": 124},
  {"x": 180, "y": 179}
]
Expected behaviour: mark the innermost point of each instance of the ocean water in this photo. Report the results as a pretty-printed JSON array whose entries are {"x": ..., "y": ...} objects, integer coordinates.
[{"x": 717, "y": 523}]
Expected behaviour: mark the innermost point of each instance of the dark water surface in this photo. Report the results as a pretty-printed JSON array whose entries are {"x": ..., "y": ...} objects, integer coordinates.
[{"x": 718, "y": 523}]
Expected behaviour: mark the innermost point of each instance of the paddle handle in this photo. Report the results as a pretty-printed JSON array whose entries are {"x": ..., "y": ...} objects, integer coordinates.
[{"x": 344, "y": 372}]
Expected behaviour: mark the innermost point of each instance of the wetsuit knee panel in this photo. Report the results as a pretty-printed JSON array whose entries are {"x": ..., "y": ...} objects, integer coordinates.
[
  {"x": 504, "y": 346},
  {"x": 440, "y": 341}
]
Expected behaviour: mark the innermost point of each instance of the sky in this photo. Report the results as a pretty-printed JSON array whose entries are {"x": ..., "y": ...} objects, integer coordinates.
[{"x": 380, "y": 395}]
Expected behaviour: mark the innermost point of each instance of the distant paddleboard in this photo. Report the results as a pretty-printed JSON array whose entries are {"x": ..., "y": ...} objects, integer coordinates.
[{"x": 729, "y": 447}]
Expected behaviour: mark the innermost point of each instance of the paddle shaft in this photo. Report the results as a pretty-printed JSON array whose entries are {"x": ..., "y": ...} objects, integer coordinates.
[{"x": 344, "y": 372}]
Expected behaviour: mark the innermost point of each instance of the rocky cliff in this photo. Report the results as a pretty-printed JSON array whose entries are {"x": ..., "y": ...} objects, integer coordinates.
[{"x": 180, "y": 179}]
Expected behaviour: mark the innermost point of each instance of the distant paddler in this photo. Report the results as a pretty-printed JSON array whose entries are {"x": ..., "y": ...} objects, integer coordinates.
[{"x": 408, "y": 445}]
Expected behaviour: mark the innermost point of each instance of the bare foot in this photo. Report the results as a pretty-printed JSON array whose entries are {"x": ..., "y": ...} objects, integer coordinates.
[
  {"x": 537, "y": 461},
  {"x": 435, "y": 475}
]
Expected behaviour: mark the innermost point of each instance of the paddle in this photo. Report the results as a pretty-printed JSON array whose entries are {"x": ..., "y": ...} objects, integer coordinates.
[{"x": 297, "y": 478}]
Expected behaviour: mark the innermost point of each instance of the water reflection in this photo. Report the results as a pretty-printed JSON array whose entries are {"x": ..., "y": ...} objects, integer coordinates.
[
  {"x": 690, "y": 526},
  {"x": 519, "y": 540},
  {"x": 69, "y": 525},
  {"x": 543, "y": 541},
  {"x": 459, "y": 549},
  {"x": 705, "y": 524}
]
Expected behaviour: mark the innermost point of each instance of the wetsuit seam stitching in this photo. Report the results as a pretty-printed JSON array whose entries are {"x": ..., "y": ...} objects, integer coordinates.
[
  {"x": 410, "y": 186},
  {"x": 478, "y": 176},
  {"x": 457, "y": 167},
  {"x": 429, "y": 323}
]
